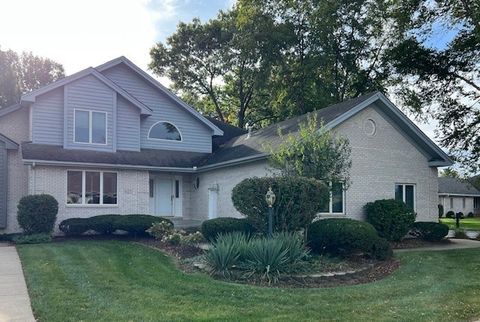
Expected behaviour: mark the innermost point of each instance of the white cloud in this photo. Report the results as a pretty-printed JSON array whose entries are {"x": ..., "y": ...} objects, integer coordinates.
[{"x": 83, "y": 33}]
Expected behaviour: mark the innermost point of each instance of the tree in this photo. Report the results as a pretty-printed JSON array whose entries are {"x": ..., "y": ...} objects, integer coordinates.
[
  {"x": 313, "y": 152},
  {"x": 23, "y": 73},
  {"x": 450, "y": 173},
  {"x": 441, "y": 81}
]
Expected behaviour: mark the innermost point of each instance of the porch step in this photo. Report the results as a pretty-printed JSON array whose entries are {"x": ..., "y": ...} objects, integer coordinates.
[{"x": 185, "y": 223}]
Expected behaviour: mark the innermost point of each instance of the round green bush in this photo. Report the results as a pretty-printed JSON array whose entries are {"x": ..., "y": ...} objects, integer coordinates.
[
  {"x": 107, "y": 224},
  {"x": 381, "y": 249},
  {"x": 450, "y": 214},
  {"x": 213, "y": 227},
  {"x": 341, "y": 236},
  {"x": 391, "y": 218},
  {"x": 37, "y": 214},
  {"x": 470, "y": 215},
  {"x": 298, "y": 200},
  {"x": 430, "y": 231}
]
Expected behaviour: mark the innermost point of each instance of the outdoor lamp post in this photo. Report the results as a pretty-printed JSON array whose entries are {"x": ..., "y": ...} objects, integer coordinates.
[{"x": 270, "y": 199}]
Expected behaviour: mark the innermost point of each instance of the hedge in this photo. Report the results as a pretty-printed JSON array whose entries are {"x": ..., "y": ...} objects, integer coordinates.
[
  {"x": 37, "y": 214},
  {"x": 107, "y": 224},
  {"x": 297, "y": 201},
  {"x": 342, "y": 236},
  {"x": 391, "y": 218},
  {"x": 213, "y": 227},
  {"x": 430, "y": 231}
]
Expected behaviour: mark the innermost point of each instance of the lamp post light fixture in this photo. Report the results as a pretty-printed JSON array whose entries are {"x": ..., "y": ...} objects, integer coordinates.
[{"x": 270, "y": 199}]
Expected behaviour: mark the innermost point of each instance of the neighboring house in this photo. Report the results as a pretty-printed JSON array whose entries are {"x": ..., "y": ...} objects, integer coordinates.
[
  {"x": 111, "y": 139},
  {"x": 458, "y": 195}
]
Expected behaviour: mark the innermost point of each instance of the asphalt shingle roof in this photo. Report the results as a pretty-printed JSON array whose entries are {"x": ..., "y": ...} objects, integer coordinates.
[{"x": 456, "y": 186}]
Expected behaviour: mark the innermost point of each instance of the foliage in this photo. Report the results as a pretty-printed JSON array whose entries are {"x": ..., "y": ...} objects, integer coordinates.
[
  {"x": 160, "y": 229},
  {"x": 298, "y": 200},
  {"x": 313, "y": 152},
  {"x": 430, "y": 231},
  {"x": 213, "y": 227},
  {"x": 450, "y": 214},
  {"x": 460, "y": 234},
  {"x": 108, "y": 224},
  {"x": 260, "y": 256},
  {"x": 460, "y": 215},
  {"x": 470, "y": 215},
  {"x": 391, "y": 218},
  {"x": 23, "y": 73},
  {"x": 441, "y": 81},
  {"x": 450, "y": 172},
  {"x": 165, "y": 232},
  {"x": 37, "y": 213},
  {"x": 440, "y": 210},
  {"x": 381, "y": 250},
  {"x": 342, "y": 236},
  {"x": 32, "y": 239}
]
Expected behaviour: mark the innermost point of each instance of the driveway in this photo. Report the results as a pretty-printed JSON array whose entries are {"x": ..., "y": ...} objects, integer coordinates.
[
  {"x": 454, "y": 244},
  {"x": 14, "y": 299}
]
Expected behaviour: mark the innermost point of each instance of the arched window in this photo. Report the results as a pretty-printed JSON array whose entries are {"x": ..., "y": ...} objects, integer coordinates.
[{"x": 164, "y": 131}]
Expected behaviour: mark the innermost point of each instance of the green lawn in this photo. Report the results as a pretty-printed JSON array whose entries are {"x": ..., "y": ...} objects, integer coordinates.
[
  {"x": 466, "y": 223},
  {"x": 122, "y": 281}
]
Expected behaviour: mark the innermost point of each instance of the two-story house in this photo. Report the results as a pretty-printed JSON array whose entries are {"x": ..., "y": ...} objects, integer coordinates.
[{"x": 112, "y": 140}]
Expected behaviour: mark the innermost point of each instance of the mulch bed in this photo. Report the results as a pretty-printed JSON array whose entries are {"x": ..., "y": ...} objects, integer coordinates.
[
  {"x": 416, "y": 243},
  {"x": 177, "y": 251}
]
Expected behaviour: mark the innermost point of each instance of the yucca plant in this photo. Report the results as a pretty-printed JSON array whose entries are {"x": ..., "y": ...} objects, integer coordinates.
[
  {"x": 266, "y": 257},
  {"x": 226, "y": 252},
  {"x": 293, "y": 243}
]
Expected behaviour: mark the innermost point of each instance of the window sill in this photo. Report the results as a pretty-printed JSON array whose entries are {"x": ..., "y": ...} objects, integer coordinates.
[
  {"x": 331, "y": 215},
  {"x": 91, "y": 206}
]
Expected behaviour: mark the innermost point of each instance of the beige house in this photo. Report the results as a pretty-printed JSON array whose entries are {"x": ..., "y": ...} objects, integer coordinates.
[
  {"x": 112, "y": 140},
  {"x": 458, "y": 195}
]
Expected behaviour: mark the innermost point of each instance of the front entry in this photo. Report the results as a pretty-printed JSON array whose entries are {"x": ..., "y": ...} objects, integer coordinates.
[{"x": 165, "y": 196}]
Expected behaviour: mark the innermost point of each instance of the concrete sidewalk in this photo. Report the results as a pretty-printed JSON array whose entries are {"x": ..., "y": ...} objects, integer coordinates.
[
  {"x": 454, "y": 244},
  {"x": 14, "y": 299}
]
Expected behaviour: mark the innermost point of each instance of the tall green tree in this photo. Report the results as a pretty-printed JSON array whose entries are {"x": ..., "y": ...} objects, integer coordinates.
[
  {"x": 21, "y": 73},
  {"x": 441, "y": 80}
]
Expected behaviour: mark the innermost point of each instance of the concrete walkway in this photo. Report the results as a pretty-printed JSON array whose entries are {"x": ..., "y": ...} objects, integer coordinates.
[
  {"x": 14, "y": 299},
  {"x": 454, "y": 244}
]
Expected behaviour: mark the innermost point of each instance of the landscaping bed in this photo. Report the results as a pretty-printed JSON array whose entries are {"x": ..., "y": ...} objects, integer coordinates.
[{"x": 408, "y": 243}]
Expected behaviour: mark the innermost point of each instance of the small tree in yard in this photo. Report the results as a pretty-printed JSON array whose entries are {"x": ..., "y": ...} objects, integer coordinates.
[{"x": 313, "y": 152}]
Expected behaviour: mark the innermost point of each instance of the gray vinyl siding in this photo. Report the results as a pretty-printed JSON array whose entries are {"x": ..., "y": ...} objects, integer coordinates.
[
  {"x": 3, "y": 185},
  {"x": 128, "y": 125},
  {"x": 47, "y": 118},
  {"x": 196, "y": 136},
  {"x": 89, "y": 93}
]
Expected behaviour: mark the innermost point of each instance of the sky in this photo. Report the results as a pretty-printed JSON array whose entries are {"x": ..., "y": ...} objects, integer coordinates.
[{"x": 84, "y": 33}]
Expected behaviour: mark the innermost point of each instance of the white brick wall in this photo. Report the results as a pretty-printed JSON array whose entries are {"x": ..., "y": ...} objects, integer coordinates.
[
  {"x": 133, "y": 197},
  {"x": 457, "y": 204},
  {"x": 378, "y": 162},
  {"x": 16, "y": 127}
]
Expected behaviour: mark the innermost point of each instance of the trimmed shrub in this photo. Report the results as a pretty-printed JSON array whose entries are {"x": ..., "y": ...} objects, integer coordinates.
[
  {"x": 450, "y": 214},
  {"x": 107, "y": 224},
  {"x": 381, "y": 249},
  {"x": 37, "y": 213},
  {"x": 213, "y": 227},
  {"x": 440, "y": 211},
  {"x": 297, "y": 201},
  {"x": 342, "y": 236},
  {"x": 470, "y": 215},
  {"x": 32, "y": 239},
  {"x": 391, "y": 218},
  {"x": 430, "y": 231},
  {"x": 460, "y": 215}
]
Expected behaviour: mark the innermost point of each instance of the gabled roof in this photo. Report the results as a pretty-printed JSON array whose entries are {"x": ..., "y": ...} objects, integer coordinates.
[
  {"x": 31, "y": 96},
  {"x": 253, "y": 146},
  {"x": 9, "y": 143},
  {"x": 229, "y": 132},
  {"x": 456, "y": 186},
  {"x": 163, "y": 89}
]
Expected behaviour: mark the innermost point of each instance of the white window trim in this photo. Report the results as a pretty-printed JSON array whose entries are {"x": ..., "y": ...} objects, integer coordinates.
[
  {"x": 155, "y": 139},
  {"x": 404, "y": 195},
  {"x": 90, "y": 126},
  {"x": 330, "y": 202},
  {"x": 84, "y": 183}
]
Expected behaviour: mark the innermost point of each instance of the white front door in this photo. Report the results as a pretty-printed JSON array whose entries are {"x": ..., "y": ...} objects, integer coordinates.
[{"x": 166, "y": 196}]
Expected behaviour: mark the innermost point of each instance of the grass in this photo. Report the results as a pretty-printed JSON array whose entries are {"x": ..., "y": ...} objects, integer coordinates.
[
  {"x": 466, "y": 223},
  {"x": 122, "y": 281}
]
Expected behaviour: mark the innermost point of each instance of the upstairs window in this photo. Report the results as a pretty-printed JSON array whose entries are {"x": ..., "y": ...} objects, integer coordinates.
[
  {"x": 164, "y": 131},
  {"x": 90, "y": 127}
]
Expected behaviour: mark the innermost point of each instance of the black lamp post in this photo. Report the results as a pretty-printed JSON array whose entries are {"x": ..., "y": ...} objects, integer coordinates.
[{"x": 270, "y": 199}]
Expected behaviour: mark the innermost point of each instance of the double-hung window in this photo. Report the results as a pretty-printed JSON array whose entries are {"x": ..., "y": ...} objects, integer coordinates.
[
  {"x": 90, "y": 127},
  {"x": 406, "y": 192},
  {"x": 91, "y": 188},
  {"x": 336, "y": 203}
]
